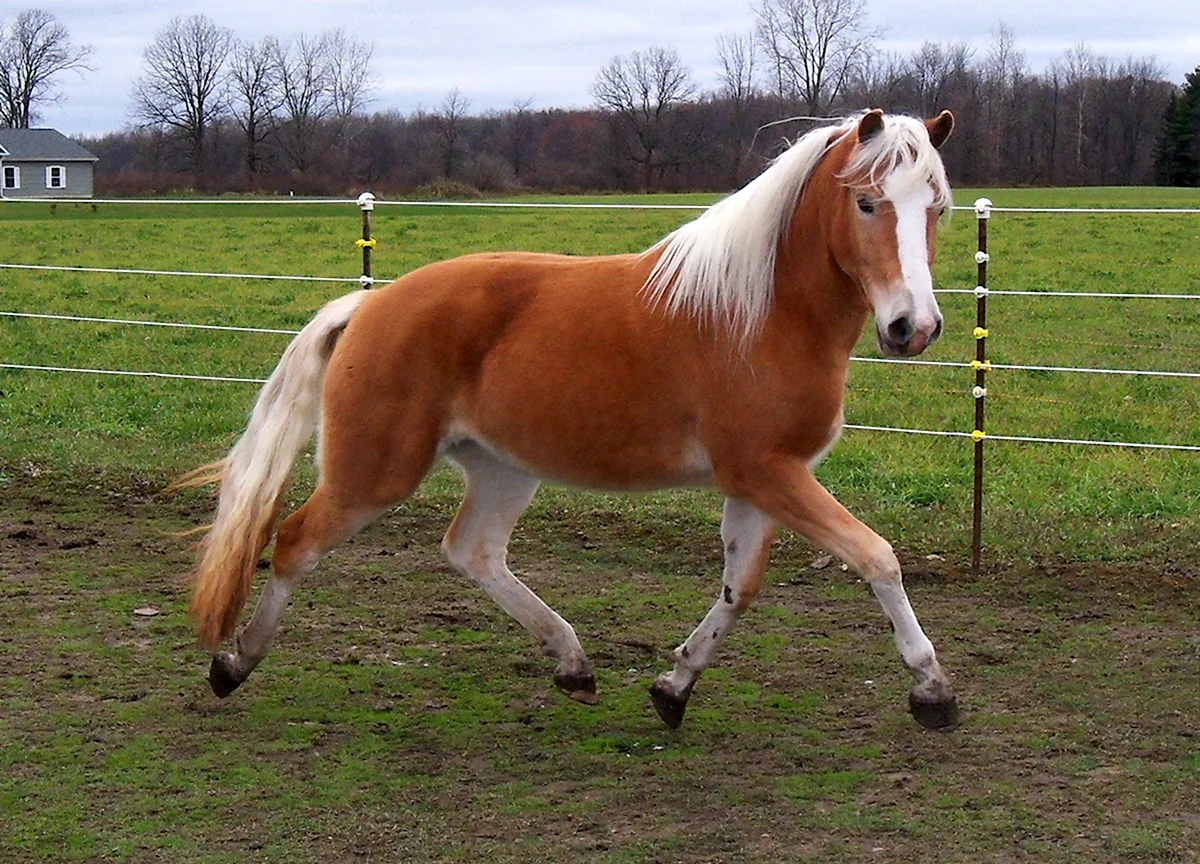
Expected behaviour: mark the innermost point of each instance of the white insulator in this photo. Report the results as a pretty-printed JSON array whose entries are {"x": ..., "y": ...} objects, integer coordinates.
[
  {"x": 366, "y": 281},
  {"x": 979, "y": 392},
  {"x": 366, "y": 201},
  {"x": 983, "y": 208},
  {"x": 982, "y": 257},
  {"x": 980, "y": 291}
]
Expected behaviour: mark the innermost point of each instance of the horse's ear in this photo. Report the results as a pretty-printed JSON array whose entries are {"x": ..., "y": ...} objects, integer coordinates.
[
  {"x": 940, "y": 128},
  {"x": 871, "y": 124}
]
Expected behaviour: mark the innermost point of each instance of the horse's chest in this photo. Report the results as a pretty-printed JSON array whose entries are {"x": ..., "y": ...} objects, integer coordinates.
[{"x": 801, "y": 419}]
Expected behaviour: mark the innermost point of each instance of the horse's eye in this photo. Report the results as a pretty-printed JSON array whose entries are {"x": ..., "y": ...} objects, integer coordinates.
[{"x": 866, "y": 205}]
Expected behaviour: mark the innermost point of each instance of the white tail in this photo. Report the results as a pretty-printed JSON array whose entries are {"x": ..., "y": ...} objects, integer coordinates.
[{"x": 255, "y": 473}]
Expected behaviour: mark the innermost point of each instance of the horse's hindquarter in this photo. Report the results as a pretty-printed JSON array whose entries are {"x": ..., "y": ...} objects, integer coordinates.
[{"x": 559, "y": 365}]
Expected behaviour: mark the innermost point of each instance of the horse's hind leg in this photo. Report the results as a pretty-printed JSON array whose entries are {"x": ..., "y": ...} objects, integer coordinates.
[
  {"x": 477, "y": 545},
  {"x": 318, "y": 526},
  {"x": 747, "y": 534}
]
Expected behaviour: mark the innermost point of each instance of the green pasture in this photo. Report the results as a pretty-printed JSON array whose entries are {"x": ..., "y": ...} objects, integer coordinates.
[
  {"x": 402, "y": 717},
  {"x": 1043, "y": 501}
]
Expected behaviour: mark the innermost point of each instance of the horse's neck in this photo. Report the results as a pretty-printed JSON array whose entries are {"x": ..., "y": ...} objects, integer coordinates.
[{"x": 813, "y": 293}]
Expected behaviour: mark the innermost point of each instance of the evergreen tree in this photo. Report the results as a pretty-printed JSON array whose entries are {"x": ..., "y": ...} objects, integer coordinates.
[{"x": 1178, "y": 154}]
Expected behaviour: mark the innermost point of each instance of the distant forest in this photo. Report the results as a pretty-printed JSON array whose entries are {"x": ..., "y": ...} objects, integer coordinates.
[{"x": 214, "y": 114}]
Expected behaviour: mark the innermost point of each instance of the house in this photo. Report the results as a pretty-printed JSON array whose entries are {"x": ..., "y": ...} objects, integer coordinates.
[{"x": 43, "y": 163}]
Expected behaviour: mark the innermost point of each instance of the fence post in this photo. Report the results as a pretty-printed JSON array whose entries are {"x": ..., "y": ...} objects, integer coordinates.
[
  {"x": 983, "y": 212},
  {"x": 366, "y": 203}
]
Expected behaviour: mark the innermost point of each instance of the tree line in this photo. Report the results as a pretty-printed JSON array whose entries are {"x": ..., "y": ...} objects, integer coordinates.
[{"x": 215, "y": 113}]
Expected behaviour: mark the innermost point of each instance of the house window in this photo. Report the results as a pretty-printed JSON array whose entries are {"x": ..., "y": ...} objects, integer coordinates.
[
  {"x": 56, "y": 177},
  {"x": 12, "y": 177}
]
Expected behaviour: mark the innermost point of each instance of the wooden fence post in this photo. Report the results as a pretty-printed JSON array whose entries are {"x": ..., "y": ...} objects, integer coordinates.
[{"x": 366, "y": 203}]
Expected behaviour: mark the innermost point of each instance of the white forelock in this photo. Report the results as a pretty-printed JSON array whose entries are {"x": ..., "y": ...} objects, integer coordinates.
[
  {"x": 720, "y": 267},
  {"x": 902, "y": 143}
]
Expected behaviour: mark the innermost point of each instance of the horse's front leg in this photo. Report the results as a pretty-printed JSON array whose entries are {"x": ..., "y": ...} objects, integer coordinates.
[
  {"x": 787, "y": 490},
  {"x": 747, "y": 534}
]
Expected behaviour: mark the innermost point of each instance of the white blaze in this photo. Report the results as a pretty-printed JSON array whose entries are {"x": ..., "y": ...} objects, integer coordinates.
[{"x": 911, "y": 199}]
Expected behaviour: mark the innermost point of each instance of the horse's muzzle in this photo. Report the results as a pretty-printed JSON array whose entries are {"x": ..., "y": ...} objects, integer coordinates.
[{"x": 902, "y": 338}]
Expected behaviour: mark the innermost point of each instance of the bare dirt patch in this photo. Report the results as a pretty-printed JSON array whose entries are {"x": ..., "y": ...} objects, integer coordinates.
[{"x": 402, "y": 715}]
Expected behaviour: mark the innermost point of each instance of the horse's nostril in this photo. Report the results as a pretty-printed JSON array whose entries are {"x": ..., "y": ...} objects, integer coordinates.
[
  {"x": 900, "y": 330},
  {"x": 937, "y": 331}
]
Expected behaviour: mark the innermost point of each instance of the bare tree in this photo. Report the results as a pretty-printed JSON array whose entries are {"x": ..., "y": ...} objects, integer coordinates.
[
  {"x": 324, "y": 83},
  {"x": 1004, "y": 62},
  {"x": 883, "y": 78},
  {"x": 34, "y": 49},
  {"x": 1074, "y": 70},
  {"x": 350, "y": 78},
  {"x": 183, "y": 84},
  {"x": 449, "y": 127},
  {"x": 1003, "y": 78},
  {"x": 814, "y": 46},
  {"x": 518, "y": 133},
  {"x": 642, "y": 90},
  {"x": 933, "y": 68},
  {"x": 736, "y": 60},
  {"x": 736, "y": 67},
  {"x": 256, "y": 95},
  {"x": 304, "y": 80},
  {"x": 350, "y": 81}
]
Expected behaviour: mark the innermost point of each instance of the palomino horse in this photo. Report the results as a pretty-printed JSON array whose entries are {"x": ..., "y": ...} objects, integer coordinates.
[{"x": 717, "y": 357}]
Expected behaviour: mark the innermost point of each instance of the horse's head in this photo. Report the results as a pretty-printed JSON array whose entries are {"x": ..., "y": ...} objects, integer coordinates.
[{"x": 893, "y": 189}]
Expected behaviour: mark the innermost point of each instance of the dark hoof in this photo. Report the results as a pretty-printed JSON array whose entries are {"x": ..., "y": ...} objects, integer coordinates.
[
  {"x": 669, "y": 706},
  {"x": 942, "y": 716},
  {"x": 580, "y": 686},
  {"x": 221, "y": 675}
]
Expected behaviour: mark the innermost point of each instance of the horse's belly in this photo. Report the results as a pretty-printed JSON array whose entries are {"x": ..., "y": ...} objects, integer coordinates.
[{"x": 631, "y": 462}]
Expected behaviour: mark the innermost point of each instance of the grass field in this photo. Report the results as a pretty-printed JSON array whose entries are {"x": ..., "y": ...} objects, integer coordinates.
[{"x": 402, "y": 717}]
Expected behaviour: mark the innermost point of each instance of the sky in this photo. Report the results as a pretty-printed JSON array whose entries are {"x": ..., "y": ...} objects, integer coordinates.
[{"x": 500, "y": 52}]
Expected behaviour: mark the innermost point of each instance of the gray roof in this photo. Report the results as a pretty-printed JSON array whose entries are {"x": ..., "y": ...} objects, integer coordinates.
[{"x": 41, "y": 145}]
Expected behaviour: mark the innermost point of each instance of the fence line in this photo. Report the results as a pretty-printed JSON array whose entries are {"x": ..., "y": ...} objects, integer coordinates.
[
  {"x": 555, "y": 205},
  {"x": 192, "y": 273},
  {"x": 175, "y": 201},
  {"x": 949, "y": 433},
  {"x": 511, "y": 205},
  {"x": 134, "y": 374},
  {"x": 546, "y": 205},
  {"x": 953, "y": 364},
  {"x": 1155, "y": 373},
  {"x": 1109, "y": 295},
  {"x": 1103, "y": 211},
  {"x": 88, "y": 319}
]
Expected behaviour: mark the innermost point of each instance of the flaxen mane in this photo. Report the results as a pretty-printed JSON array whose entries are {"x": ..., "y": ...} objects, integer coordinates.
[{"x": 721, "y": 266}]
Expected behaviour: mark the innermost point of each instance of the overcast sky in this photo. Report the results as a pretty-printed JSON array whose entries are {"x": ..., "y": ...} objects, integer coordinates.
[{"x": 498, "y": 52}]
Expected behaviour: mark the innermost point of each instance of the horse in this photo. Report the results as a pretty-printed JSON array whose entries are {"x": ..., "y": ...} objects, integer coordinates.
[{"x": 715, "y": 358}]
